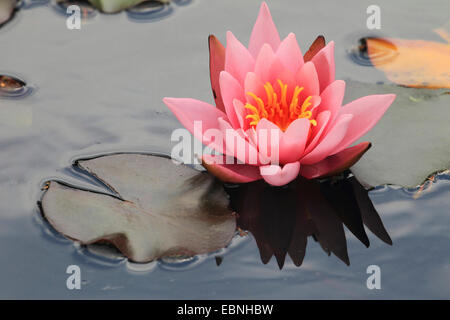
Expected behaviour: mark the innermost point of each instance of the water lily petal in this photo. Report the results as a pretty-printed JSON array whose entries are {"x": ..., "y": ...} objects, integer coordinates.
[
  {"x": 263, "y": 62},
  {"x": 216, "y": 65},
  {"x": 254, "y": 84},
  {"x": 322, "y": 121},
  {"x": 307, "y": 78},
  {"x": 324, "y": 63},
  {"x": 252, "y": 138},
  {"x": 366, "y": 112},
  {"x": 240, "y": 113},
  {"x": 315, "y": 103},
  {"x": 231, "y": 89},
  {"x": 290, "y": 54},
  {"x": 277, "y": 176},
  {"x": 332, "y": 98},
  {"x": 266, "y": 133},
  {"x": 189, "y": 110},
  {"x": 293, "y": 140},
  {"x": 278, "y": 71},
  {"x": 289, "y": 145},
  {"x": 236, "y": 145},
  {"x": 336, "y": 163},
  {"x": 232, "y": 173},
  {"x": 264, "y": 31},
  {"x": 238, "y": 61},
  {"x": 327, "y": 146}
]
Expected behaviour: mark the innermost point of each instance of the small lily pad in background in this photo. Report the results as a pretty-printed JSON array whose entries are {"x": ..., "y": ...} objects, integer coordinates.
[
  {"x": 11, "y": 86},
  {"x": 410, "y": 142},
  {"x": 87, "y": 9},
  {"x": 155, "y": 209},
  {"x": 412, "y": 63},
  {"x": 113, "y": 6},
  {"x": 6, "y": 10}
]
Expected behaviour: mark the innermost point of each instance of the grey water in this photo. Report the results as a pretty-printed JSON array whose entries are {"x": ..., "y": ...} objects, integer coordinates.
[{"x": 99, "y": 89}]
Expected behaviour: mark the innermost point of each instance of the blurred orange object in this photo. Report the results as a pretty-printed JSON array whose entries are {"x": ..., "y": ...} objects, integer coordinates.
[{"x": 412, "y": 63}]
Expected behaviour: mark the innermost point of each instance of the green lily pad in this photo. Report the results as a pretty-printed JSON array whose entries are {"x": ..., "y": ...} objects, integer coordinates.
[
  {"x": 155, "y": 208},
  {"x": 112, "y": 6},
  {"x": 6, "y": 10},
  {"x": 410, "y": 142}
]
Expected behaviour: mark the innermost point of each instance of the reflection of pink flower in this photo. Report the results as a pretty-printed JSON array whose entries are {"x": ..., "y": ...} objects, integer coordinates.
[{"x": 270, "y": 86}]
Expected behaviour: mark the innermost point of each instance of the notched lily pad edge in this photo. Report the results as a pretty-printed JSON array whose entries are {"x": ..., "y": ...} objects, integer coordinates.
[
  {"x": 434, "y": 174},
  {"x": 49, "y": 223},
  {"x": 117, "y": 241},
  {"x": 76, "y": 165}
]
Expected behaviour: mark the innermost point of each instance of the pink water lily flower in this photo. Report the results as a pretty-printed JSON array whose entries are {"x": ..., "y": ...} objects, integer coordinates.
[{"x": 272, "y": 86}]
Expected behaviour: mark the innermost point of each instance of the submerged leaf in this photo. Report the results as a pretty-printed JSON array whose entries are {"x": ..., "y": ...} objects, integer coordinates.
[
  {"x": 412, "y": 63},
  {"x": 410, "y": 142},
  {"x": 158, "y": 208}
]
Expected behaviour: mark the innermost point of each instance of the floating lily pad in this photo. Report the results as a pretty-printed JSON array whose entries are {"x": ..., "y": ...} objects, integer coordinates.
[
  {"x": 155, "y": 208},
  {"x": 410, "y": 142},
  {"x": 412, "y": 63},
  {"x": 11, "y": 86},
  {"x": 6, "y": 10},
  {"x": 112, "y": 6},
  {"x": 150, "y": 11},
  {"x": 87, "y": 9}
]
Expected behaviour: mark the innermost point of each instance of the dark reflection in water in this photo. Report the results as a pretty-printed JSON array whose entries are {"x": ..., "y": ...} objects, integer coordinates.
[
  {"x": 281, "y": 219},
  {"x": 13, "y": 87}
]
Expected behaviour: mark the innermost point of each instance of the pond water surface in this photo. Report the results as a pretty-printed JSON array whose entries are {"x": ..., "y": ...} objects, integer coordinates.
[{"x": 99, "y": 89}]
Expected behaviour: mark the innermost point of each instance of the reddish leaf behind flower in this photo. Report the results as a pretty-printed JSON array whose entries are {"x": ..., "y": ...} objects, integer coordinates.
[
  {"x": 315, "y": 47},
  {"x": 216, "y": 65},
  {"x": 335, "y": 163}
]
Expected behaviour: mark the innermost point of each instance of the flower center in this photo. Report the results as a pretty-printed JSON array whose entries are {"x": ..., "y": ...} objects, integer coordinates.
[{"x": 277, "y": 109}]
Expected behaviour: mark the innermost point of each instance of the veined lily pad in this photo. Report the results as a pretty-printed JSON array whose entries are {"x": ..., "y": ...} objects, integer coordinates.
[
  {"x": 410, "y": 142},
  {"x": 156, "y": 208}
]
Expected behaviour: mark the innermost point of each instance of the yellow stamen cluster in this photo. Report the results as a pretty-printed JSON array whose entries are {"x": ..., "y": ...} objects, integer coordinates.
[{"x": 277, "y": 109}]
